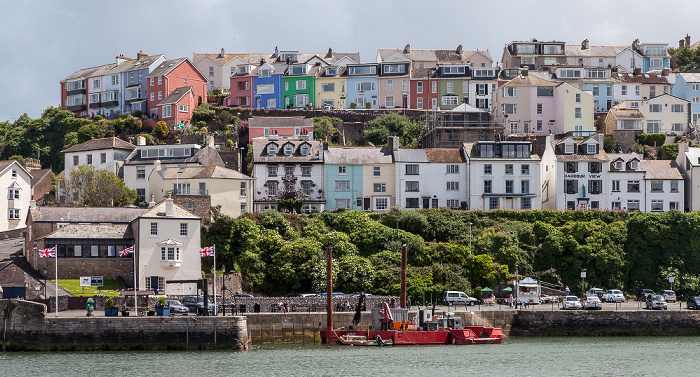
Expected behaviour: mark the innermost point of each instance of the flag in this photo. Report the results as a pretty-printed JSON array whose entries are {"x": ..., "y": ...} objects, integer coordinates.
[
  {"x": 48, "y": 253},
  {"x": 207, "y": 251},
  {"x": 126, "y": 251},
  {"x": 180, "y": 126}
]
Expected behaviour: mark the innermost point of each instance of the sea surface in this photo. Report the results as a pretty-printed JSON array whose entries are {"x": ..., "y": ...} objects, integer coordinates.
[{"x": 566, "y": 356}]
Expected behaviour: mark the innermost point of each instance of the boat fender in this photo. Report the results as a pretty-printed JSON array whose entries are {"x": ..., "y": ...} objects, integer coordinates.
[{"x": 379, "y": 340}]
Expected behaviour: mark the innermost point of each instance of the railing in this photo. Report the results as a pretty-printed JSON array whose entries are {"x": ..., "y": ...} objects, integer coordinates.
[
  {"x": 189, "y": 192},
  {"x": 584, "y": 133}
]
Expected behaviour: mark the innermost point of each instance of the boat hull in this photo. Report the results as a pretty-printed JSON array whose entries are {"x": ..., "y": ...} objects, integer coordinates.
[{"x": 468, "y": 335}]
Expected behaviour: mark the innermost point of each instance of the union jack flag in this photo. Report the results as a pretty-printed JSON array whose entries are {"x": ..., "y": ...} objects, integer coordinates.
[
  {"x": 207, "y": 251},
  {"x": 126, "y": 251},
  {"x": 48, "y": 253}
]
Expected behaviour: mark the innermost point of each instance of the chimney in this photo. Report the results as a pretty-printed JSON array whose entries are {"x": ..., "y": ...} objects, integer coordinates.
[
  {"x": 665, "y": 71},
  {"x": 524, "y": 72},
  {"x": 682, "y": 148},
  {"x": 635, "y": 44},
  {"x": 169, "y": 210},
  {"x": 637, "y": 71},
  {"x": 407, "y": 49},
  {"x": 584, "y": 44},
  {"x": 141, "y": 55},
  {"x": 459, "y": 50},
  {"x": 210, "y": 141},
  {"x": 680, "y": 44},
  {"x": 157, "y": 165},
  {"x": 330, "y": 53},
  {"x": 32, "y": 204},
  {"x": 687, "y": 40},
  {"x": 392, "y": 142},
  {"x": 222, "y": 54},
  {"x": 152, "y": 203},
  {"x": 276, "y": 54},
  {"x": 262, "y": 61},
  {"x": 140, "y": 140}
]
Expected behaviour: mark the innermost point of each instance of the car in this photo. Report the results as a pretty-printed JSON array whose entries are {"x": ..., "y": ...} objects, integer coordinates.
[
  {"x": 596, "y": 291},
  {"x": 693, "y": 302},
  {"x": 642, "y": 296},
  {"x": 457, "y": 297},
  {"x": 571, "y": 302},
  {"x": 669, "y": 295},
  {"x": 335, "y": 294},
  {"x": 176, "y": 307},
  {"x": 613, "y": 295},
  {"x": 592, "y": 302},
  {"x": 242, "y": 295},
  {"x": 656, "y": 301},
  {"x": 356, "y": 294},
  {"x": 306, "y": 295},
  {"x": 195, "y": 304}
]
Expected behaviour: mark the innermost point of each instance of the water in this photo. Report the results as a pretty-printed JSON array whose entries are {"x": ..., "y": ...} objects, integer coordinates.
[{"x": 638, "y": 356}]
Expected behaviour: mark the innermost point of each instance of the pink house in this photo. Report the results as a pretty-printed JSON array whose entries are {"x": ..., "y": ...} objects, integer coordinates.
[{"x": 293, "y": 127}]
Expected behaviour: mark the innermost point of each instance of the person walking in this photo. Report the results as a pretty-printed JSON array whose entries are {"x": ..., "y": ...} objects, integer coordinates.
[
  {"x": 567, "y": 290},
  {"x": 90, "y": 306},
  {"x": 510, "y": 300}
]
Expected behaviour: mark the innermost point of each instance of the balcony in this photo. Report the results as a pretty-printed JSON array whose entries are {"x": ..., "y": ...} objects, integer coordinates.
[
  {"x": 110, "y": 103},
  {"x": 75, "y": 91},
  {"x": 190, "y": 192},
  {"x": 76, "y": 108}
]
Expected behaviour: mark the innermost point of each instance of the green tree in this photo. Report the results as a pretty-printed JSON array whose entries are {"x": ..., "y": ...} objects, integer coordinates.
[
  {"x": 162, "y": 130},
  {"x": 86, "y": 186},
  {"x": 325, "y": 128},
  {"x": 382, "y": 126}
]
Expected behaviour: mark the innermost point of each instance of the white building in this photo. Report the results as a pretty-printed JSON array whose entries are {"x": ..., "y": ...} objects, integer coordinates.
[
  {"x": 688, "y": 162},
  {"x": 15, "y": 182},
  {"x": 666, "y": 114},
  {"x": 107, "y": 153},
  {"x": 503, "y": 175}
]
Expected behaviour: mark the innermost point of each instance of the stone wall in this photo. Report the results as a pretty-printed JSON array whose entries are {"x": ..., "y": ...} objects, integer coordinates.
[
  {"x": 295, "y": 327},
  {"x": 624, "y": 139},
  {"x": 74, "y": 268},
  {"x": 201, "y": 203},
  {"x": 13, "y": 276}
]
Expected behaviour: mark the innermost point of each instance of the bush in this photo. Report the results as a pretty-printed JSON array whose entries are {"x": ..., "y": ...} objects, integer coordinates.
[
  {"x": 203, "y": 113},
  {"x": 669, "y": 151},
  {"x": 609, "y": 144},
  {"x": 353, "y": 105},
  {"x": 162, "y": 130},
  {"x": 654, "y": 140},
  {"x": 97, "y": 118},
  {"x": 368, "y": 105}
]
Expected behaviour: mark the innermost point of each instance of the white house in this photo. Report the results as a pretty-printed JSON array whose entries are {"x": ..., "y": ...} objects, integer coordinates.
[
  {"x": 688, "y": 162},
  {"x": 503, "y": 175},
  {"x": 666, "y": 114},
  {"x": 108, "y": 153},
  {"x": 15, "y": 183}
]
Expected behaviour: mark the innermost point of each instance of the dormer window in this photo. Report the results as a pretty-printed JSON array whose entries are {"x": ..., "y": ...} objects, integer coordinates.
[
  {"x": 264, "y": 73},
  {"x": 288, "y": 149},
  {"x": 633, "y": 165},
  {"x": 591, "y": 149},
  {"x": 271, "y": 150},
  {"x": 568, "y": 148},
  {"x": 305, "y": 150},
  {"x": 331, "y": 71},
  {"x": 242, "y": 69},
  {"x": 618, "y": 165},
  {"x": 297, "y": 70},
  {"x": 452, "y": 70}
]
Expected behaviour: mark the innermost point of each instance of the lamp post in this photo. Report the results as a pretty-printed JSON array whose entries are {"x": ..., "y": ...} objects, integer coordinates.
[
  {"x": 470, "y": 237},
  {"x": 46, "y": 271},
  {"x": 223, "y": 287},
  {"x": 583, "y": 280},
  {"x": 364, "y": 275}
]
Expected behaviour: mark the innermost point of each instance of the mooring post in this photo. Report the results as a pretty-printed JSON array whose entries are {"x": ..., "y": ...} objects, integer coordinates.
[
  {"x": 329, "y": 290},
  {"x": 404, "y": 262}
]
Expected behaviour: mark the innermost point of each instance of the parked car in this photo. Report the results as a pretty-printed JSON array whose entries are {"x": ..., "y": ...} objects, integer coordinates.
[
  {"x": 693, "y": 302},
  {"x": 644, "y": 293},
  {"x": 176, "y": 307},
  {"x": 592, "y": 302},
  {"x": 195, "y": 304},
  {"x": 357, "y": 294},
  {"x": 457, "y": 297},
  {"x": 242, "y": 295},
  {"x": 305, "y": 295},
  {"x": 613, "y": 295},
  {"x": 655, "y": 301},
  {"x": 669, "y": 295},
  {"x": 596, "y": 291},
  {"x": 571, "y": 302}
]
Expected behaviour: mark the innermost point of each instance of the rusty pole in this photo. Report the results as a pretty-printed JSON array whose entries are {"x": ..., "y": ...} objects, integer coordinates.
[
  {"x": 329, "y": 290},
  {"x": 404, "y": 262}
]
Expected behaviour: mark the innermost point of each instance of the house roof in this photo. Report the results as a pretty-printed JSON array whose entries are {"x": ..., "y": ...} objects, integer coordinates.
[
  {"x": 357, "y": 156},
  {"x": 37, "y": 175},
  {"x": 280, "y": 122},
  {"x": 429, "y": 55},
  {"x": 159, "y": 211},
  {"x": 206, "y": 156},
  {"x": 86, "y": 214},
  {"x": 626, "y": 114},
  {"x": 4, "y": 165},
  {"x": 593, "y": 51},
  {"x": 466, "y": 108},
  {"x": 91, "y": 231},
  {"x": 693, "y": 156},
  {"x": 166, "y": 67},
  {"x": 644, "y": 78},
  {"x": 529, "y": 80},
  {"x": 661, "y": 169},
  {"x": 101, "y": 144},
  {"x": 201, "y": 172},
  {"x": 83, "y": 73},
  {"x": 176, "y": 95},
  {"x": 444, "y": 155},
  {"x": 411, "y": 155},
  {"x": 422, "y": 73},
  {"x": 691, "y": 77},
  {"x": 260, "y": 152}
]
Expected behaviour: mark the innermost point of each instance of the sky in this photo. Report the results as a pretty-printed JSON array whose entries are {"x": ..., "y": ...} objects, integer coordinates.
[{"x": 42, "y": 42}]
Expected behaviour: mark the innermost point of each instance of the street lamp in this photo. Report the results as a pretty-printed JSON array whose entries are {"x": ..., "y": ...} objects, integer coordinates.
[
  {"x": 583, "y": 280},
  {"x": 470, "y": 237},
  {"x": 223, "y": 287}
]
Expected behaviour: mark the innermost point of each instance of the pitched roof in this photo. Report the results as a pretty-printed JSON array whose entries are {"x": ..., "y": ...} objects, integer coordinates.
[
  {"x": 593, "y": 51},
  {"x": 86, "y": 214},
  {"x": 691, "y": 77},
  {"x": 91, "y": 231},
  {"x": 357, "y": 156},
  {"x": 444, "y": 155},
  {"x": 206, "y": 156},
  {"x": 529, "y": 80},
  {"x": 201, "y": 172},
  {"x": 37, "y": 175},
  {"x": 626, "y": 114},
  {"x": 644, "y": 78},
  {"x": 176, "y": 95},
  {"x": 166, "y": 67},
  {"x": 422, "y": 73},
  {"x": 101, "y": 144},
  {"x": 260, "y": 152},
  {"x": 159, "y": 211},
  {"x": 411, "y": 155},
  {"x": 661, "y": 169},
  {"x": 280, "y": 122},
  {"x": 83, "y": 73}
]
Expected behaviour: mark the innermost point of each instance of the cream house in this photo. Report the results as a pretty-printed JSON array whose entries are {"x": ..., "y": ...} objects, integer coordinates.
[
  {"x": 107, "y": 153},
  {"x": 228, "y": 188},
  {"x": 666, "y": 114},
  {"x": 15, "y": 181}
]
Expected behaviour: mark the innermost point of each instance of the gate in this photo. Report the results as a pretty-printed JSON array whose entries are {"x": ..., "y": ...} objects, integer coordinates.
[{"x": 76, "y": 303}]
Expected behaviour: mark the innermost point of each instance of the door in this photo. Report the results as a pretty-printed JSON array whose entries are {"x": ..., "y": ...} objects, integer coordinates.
[
  {"x": 154, "y": 284},
  {"x": 509, "y": 203},
  {"x": 342, "y": 103},
  {"x": 426, "y": 202},
  {"x": 367, "y": 204}
]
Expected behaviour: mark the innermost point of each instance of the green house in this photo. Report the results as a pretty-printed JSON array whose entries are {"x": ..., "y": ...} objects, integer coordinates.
[{"x": 299, "y": 86}]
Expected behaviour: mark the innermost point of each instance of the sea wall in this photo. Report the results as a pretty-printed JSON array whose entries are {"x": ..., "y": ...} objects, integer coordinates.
[
  {"x": 27, "y": 327},
  {"x": 296, "y": 327}
]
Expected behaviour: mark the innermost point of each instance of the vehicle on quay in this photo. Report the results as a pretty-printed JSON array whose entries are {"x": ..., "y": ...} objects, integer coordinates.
[
  {"x": 335, "y": 294},
  {"x": 596, "y": 291},
  {"x": 196, "y": 304},
  {"x": 642, "y": 296},
  {"x": 357, "y": 294},
  {"x": 669, "y": 295},
  {"x": 176, "y": 307},
  {"x": 306, "y": 295},
  {"x": 458, "y": 297},
  {"x": 656, "y": 301},
  {"x": 571, "y": 302},
  {"x": 693, "y": 302},
  {"x": 242, "y": 295},
  {"x": 592, "y": 302},
  {"x": 613, "y": 295}
]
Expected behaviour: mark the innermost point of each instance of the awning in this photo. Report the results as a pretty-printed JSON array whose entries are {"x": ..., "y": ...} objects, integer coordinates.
[
  {"x": 487, "y": 289},
  {"x": 508, "y": 289}
]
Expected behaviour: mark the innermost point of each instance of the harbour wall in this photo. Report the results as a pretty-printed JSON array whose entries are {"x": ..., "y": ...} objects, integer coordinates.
[{"x": 27, "y": 327}]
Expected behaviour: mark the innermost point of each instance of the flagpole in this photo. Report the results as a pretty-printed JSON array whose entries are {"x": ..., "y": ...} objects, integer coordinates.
[
  {"x": 136, "y": 302},
  {"x": 56, "y": 280},
  {"x": 216, "y": 308}
]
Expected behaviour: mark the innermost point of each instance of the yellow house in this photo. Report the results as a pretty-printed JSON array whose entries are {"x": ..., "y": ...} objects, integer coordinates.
[
  {"x": 331, "y": 87},
  {"x": 228, "y": 188}
]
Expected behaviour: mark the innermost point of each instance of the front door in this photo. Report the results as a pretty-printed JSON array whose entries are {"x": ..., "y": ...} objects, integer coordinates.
[
  {"x": 154, "y": 284},
  {"x": 367, "y": 204},
  {"x": 426, "y": 202}
]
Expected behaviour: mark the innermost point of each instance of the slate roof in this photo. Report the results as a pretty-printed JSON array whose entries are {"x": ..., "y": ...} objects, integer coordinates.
[
  {"x": 661, "y": 169},
  {"x": 159, "y": 211},
  {"x": 166, "y": 67},
  {"x": 357, "y": 156},
  {"x": 101, "y": 144},
  {"x": 626, "y": 114},
  {"x": 422, "y": 73},
  {"x": 280, "y": 122},
  {"x": 83, "y": 73},
  {"x": 411, "y": 155},
  {"x": 37, "y": 175},
  {"x": 89, "y": 231},
  {"x": 260, "y": 152},
  {"x": 201, "y": 172},
  {"x": 428, "y": 55},
  {"x": 644, "y": 78},
  {"x": 691, "y": 77},
  {"x": 693, "y": 156},
  {"x": 205, "y": 156},
  {"x": 593, "y": 51},
  {"x": 529, "y": 80},
  {"x": 176, "y": 95},
  {"x": 444, "y": 155},
  {"x": 86, "y": 214}
]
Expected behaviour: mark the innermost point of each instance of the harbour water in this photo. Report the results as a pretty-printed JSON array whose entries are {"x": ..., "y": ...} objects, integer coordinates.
[{"x": 565, "y": 356}]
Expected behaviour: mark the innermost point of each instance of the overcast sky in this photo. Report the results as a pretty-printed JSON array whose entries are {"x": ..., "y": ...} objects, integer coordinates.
[{"x": 42, "y": 42}]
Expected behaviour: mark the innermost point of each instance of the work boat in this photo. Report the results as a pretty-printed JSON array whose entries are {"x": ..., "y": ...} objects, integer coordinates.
[{"x": 400, "y": 326}]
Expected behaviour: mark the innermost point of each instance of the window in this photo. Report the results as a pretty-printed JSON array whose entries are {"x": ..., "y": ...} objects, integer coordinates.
[
  {"x": 616, "y": 186},
  {"x": 89, "y": 159},
  {"x": 381, "y": 204},
  {"x": 181, "y": 188},
  {"x": 652, "y": 91},
  {"x": 608, "y": 90},
  {"x": 183, "y": 108},
  {"x": 539, "y": 109},
  {"x": 616, "y": 205},
  {"x": 380, "y": 187},
  {"x": 301, "y": 100},
  {"x": 525, "y": 186},
  {"x": 674, "y": 186},
  {"x": 450, "y": 100},
  {"x": 272, "y": 171},
  {"x": 577, "y": 113},
  {"x": 289, "y": 170},
  {"x": 632, "y": 186},
  {"x": 509, "y": 187},
  {"x": 76, "y": 160},
  {"x": 365, "y": 86},
  {"x": 452, "y": 169},
  {"x": 633, "y": 165},
  {"x": 306, "y": 188},
  {"x": 305, "y": 149},
  {"x": 655, "y": 108},
  {"x": 286, "y": 85},
  {"x": 453, "y": 203},
  {"x": 412, "y": 203},
  {"x": 419, "y": 87},
  {"x": 271, "y": 103},
  {"x": 389, "y": 101},
  {"x": 265, "y": 88},
  {"x": 103, "y": 158},
  {"x": 487, "y": 187},
  {"x": 412, "y": 169},
  {"x": 153, "y": 96},
  {"x": 243, "y": 189},
  {"x": 637, "y": 90},
  {"x": 452, "y": 186},
  {"x": 569, "y": 73},
  {"x": 306, "y": 171},
  {"x": 488, "y": 169},
  {"x": 272, "y": 188},
  {"x": 342, "y": 185},
  {"x": 419, "y": 103},
  {"x": 14, "y": 214},
  {"x": 243, "y": 207},
  {"x": 412, "y": 186},
  {"x": 141, "y": 194},
  {"x": 360, "y": 102},
  {"x": 328, "y": 87},
  {"x": 568, "y": 148},
  {"x": 510, "y": 108},
  {"x": 657, "y": 186},
  {"x": 623, "y": 90},
  {"x": 140, "y": 173},
  {"x": 168, "y": 254},
  {"x": 450, "y": 86},
  {"x": 539, "y": 125},
  {"x": 509, "y": 168},
  {"x": 389, "y": 85},
  {"x": 183, "y": 229},
  {"x": 633, "y": 205},
  {"x": 591, "y": 149},
  {"x": 674, "y": 206},
  {"x": 13, "y": 194},
  {"x": 571, "y": 186},
  {"x": 486, "y": 151},
  {"x": 166, "y": 111},
  {"x": 510, "y": 91},
  {"x": 288, "y": 149},
  {"x": 657, "y": 206},
  {"x": 595, "y": 186},
  {"x": 301, "y": 84},
  {"x": 545, "y": 91},
  {"x": 595, "y": 204},
  {"x": 653, "y": 126},
  {"x": 678, "y": 108},
  {"x": 261, "y": 73},
  {"x": 525, "y": 169},
  {"x": 434, "y": 87},
  {"x": 297, "y": 70},
  {"x": 525, "y": 203},
  {"x": 493, "y": 203},
  {"x": 154, "y": 229},
  {"x": 342, "y": 170}
]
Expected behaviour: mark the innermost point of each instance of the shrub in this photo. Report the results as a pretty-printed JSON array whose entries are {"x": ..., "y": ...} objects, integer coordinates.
[
  {"x": 203, "y": 113},
  {"x": 353, "y": 105},
  {"x": 162, "y": 130},
  {"x": 97, "y": 118},
  {"x": 609, "y": 144},
  {"x": 669, "y": 151},
  {"x": 368, "y": 105},
  {"x": 138, "y": 114}
]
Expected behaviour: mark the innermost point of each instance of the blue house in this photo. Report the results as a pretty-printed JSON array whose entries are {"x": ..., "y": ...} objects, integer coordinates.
[
  {"x": 687, "y": 86},
  {"x": 602, "y": 92},
  {"x": 135, "y": 84},
  {"x": 655, "y": 55},
  {"x": 343, "y": 180},
  {"x": 267, "y": 83},
  {"x": 363, "y": 86}
]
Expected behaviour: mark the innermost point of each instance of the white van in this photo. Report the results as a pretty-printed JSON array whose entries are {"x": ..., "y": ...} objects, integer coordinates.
[{"x": 457, "y": 297}]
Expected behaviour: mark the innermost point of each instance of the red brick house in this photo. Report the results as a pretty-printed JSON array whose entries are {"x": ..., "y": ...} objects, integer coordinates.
[
  {"x": 423, "y": 89},
  {"x": 168, "y": 77}
]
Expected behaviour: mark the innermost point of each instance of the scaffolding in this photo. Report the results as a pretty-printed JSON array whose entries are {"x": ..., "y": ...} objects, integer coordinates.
[{"x": 447, "y": 129}]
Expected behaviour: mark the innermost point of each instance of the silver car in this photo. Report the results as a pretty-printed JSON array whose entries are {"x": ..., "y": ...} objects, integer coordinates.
[
  {"x": 592, "y": 302},
  {"x": 669, "y": 295},
  {"x": 614, "y": 295},
  {"x": 656, "y": 302},
  {"x": 571, "y": 302}
]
